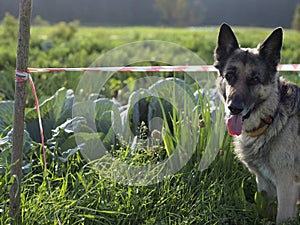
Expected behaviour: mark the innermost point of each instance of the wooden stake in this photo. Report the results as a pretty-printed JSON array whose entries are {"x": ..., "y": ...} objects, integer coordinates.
[{"x": 20, "y": 101}]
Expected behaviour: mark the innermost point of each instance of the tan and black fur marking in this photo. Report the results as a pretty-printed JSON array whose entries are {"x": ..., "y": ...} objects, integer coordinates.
[{"x": 269, "y": 141}]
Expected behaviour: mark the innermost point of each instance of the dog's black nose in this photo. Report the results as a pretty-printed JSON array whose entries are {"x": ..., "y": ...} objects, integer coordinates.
[{"x": 236, "y": 108}]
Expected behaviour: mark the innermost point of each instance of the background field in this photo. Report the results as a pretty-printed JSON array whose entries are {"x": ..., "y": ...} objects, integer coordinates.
[
  {"x": 67, "y": 45},
  {"x": 74, "y": 193}
]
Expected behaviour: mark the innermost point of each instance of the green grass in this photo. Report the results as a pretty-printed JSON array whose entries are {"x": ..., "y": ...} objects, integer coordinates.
[{"x": 76, "y": 193}]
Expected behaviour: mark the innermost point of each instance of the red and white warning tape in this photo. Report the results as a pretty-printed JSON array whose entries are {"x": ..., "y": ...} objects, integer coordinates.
[
  {"x": 127, "y": 69},
  {"x": 21, "y": 77},
  {"x": 289, "y": 67},
  {"x": 281, "y": 67}
]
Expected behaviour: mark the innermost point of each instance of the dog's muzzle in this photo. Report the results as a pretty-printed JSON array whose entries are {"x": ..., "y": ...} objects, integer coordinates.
[
  {"x": 236, "y": 107},
  {"x": 237, "y": 114}
]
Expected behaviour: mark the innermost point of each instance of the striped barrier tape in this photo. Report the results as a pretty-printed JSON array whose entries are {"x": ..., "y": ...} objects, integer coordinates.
[
  {"x": 21, "y": 77},
  {"x": 281, "y": 67}
]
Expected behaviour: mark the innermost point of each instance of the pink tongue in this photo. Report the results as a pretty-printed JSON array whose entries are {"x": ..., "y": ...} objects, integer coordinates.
[{"x": 234, "y": 125}]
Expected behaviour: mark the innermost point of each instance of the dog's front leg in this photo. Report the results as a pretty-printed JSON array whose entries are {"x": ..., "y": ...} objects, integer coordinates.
[
  {"x": 287, "y": 196},
  {"x": 267, "y": 190},
  {"x": 265, "y": 185}
]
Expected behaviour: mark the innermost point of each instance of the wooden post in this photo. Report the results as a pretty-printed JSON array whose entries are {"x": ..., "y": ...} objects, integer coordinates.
[{"x": 25, "y": 7}]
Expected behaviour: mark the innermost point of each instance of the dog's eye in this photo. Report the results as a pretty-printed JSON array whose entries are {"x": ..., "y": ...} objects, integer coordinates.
[
  {"x": 254, "y": 80},
  {"x": 230, "y": 77}
]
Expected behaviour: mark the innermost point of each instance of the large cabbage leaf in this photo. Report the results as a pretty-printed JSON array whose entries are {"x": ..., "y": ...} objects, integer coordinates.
[{"x": 6, "y": 116}]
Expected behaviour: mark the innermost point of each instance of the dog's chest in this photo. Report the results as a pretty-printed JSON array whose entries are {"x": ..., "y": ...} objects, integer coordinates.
[{"x": 256, "y": 156}]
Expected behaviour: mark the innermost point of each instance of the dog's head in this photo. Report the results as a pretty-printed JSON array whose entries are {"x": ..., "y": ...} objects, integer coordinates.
[{"x": 246, "y": 76}]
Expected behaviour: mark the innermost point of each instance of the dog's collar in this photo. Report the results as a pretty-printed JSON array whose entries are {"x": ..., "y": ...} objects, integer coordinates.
[{"x": 263, "y": 126}]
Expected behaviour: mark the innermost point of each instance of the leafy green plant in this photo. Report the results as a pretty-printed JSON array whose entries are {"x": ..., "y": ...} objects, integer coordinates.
[
  {"x": 61, "y": 128},
  {"x": 6, "y": 116},
  {"x": 65, "y": 31},
  {"x": 39, "y": 21},
  {"x": 296, "y": 19},
  {"x": 10, "y": 25}
]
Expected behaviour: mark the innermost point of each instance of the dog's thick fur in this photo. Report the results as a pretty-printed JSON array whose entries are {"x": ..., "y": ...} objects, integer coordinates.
[{"x": 264, "y": 115}]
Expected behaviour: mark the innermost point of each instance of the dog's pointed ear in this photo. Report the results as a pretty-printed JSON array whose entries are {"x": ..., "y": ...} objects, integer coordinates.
[
  {"x": 226, "y": 45},
  {"x": 270, "y": 49}
]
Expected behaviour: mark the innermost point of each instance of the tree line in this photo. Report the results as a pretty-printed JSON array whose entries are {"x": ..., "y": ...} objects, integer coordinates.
[{"x": 265, "y": 13}]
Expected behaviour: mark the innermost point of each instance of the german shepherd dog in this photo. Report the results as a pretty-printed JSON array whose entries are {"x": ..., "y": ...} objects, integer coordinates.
[{"x": 264, "y": 115}]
